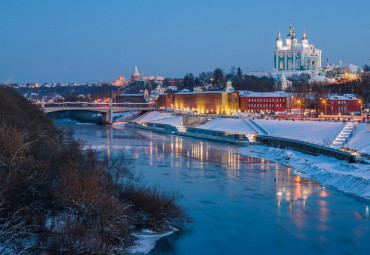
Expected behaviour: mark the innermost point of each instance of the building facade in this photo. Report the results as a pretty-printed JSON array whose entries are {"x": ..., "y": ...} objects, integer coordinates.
[
  {"x": 295, "y": 56},
  {"x": 165, "y": 100},
  {"x": 263, "y": 101},
  {"x": 341, "y": 104},
  {"x": 346, "y": 72},
  {"x": 217, "y": 102}
]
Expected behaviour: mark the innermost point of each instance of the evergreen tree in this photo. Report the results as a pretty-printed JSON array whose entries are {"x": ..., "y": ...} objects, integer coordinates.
[{"x": 239, "y": 71}]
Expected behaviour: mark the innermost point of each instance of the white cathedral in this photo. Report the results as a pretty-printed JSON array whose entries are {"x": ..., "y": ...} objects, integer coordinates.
[{"x": 295, "y": 56}]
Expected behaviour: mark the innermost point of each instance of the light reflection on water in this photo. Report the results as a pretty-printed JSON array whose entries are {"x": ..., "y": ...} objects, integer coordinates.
[{"x": 239, "y": 204}]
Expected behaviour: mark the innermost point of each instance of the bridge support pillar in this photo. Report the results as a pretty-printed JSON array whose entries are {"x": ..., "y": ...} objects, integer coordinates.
[
  {"x": 110, "y": 114},
  {"x": 108, "y": 117},
  {"x": 110, "y": 111}
]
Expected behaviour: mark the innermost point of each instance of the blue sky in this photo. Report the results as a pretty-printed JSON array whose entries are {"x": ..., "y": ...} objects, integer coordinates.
[{"x": 98, "y": 40}]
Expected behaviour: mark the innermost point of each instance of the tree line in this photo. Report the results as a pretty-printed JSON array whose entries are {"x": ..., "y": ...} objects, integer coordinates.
[{"x": 217, "y": 80}]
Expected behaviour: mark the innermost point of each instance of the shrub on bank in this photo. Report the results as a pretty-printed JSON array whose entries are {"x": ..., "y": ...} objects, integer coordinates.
[{"x": 63, "y": 199}]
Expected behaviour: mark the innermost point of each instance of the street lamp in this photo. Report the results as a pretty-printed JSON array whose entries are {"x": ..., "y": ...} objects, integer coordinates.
[
  {"x": 360, "y": 102},
  {"x": 324, "y": 102},
  {"x": 300, "y": 105}
]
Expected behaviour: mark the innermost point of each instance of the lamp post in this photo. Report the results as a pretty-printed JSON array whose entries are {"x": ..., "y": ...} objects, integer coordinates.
[
  {"x": 324, "y": 102},
  {"x": 360, "y": 102},
  {"x": 300, "y": 105}
]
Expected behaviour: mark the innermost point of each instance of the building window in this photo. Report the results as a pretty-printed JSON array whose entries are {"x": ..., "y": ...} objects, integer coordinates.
[{"x": 281, "y": 65}]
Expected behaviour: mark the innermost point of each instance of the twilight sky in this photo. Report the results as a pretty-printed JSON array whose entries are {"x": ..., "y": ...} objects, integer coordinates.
[{"x": 98, "y": 40}]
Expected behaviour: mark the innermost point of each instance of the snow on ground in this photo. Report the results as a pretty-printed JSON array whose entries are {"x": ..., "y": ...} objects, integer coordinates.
[
  {"x": 162, "y": 118},
  {"x": 308, "y": 131},
  {"x": 229, "y": 125},
  {"x": 146, "y": 241},
  {"x": 361, "y": 138},
  {"x": 174, "y": 121},
  {"x": 120, "y": 116},
  {"x": 347, "y": 177},
  {"x": 153, "y": 116}
]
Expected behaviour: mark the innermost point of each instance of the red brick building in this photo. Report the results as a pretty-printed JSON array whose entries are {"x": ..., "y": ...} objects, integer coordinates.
[
  {"x": 345, "y": 104},
  {"x": 263, "y": 101},
  {"x": 165, "y": 100}
]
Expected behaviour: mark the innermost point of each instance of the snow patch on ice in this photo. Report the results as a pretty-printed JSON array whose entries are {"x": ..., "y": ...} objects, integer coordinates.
[{"x": 147, "y": 239}]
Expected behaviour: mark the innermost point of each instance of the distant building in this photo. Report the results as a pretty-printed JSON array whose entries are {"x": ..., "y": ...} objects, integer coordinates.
[
  {"x": 157, "y": 79},
  {"x": 263, "y": 101},
  {"x": 346, "y": 72},
  {"x": 121, "y": 81},
  {"x": 159, "y": 90},
  {"x": 135, "y": 75},
  {"x": 294, "y": 56},
  {"x": 283, "y": 83},
  {"x": 218, "y": 102},
  {"x": 336, "y": 104},
  {"x": 120, "y": 97}
]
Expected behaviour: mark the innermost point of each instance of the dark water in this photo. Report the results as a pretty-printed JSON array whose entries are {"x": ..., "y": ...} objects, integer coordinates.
[{"x": 239, "y": 204}]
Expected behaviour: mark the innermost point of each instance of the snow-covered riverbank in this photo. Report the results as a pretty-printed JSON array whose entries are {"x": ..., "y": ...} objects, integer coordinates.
[{"x": 347, "y": 177}]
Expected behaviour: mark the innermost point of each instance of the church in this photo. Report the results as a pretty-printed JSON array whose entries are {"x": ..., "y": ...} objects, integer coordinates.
[{"x": 295, "y": 56}]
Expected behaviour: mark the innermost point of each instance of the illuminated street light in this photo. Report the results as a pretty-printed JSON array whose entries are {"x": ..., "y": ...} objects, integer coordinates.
[
  {"x": 324, "y": 102},
  {"x": 360, "y": 102}
]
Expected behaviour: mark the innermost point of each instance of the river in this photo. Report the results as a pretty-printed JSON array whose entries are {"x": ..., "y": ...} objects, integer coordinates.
[{"x": 238, "y": 204}]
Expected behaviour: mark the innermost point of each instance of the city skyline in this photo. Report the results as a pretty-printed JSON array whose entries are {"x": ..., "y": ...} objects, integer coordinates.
[{"x": 44, "y": 41}]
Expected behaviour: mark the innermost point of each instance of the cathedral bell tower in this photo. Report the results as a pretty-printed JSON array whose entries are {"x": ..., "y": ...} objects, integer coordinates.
[
  {"x": 279, "y": 42},
  {"x": 304, "y": 40},
  {"x": 288, "y": 40}
]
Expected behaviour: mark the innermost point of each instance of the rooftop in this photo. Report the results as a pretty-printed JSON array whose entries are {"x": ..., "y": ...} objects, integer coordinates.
[
  {"x": 342, "y": 97},
  {"x": 263, "y": 94}
]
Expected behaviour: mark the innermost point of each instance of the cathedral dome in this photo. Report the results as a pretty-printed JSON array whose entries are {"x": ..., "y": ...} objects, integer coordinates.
[
  {"x": 305, "y": 40},
  {"x": 294, "y": 40},
  {"x": 279, "y": 42}
]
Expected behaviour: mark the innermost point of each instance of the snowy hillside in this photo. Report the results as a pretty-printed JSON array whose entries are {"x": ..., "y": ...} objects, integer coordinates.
[{"x": 308, "y": 131}]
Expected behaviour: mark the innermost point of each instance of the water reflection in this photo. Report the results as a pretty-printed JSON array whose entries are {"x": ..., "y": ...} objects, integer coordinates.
[
  {"x": 292, "y": 189},
  {"x": 238, "y": 201}
]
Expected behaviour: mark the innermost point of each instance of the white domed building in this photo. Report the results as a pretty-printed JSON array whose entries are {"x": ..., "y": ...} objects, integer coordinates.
[{"x": 295, "y": 56}]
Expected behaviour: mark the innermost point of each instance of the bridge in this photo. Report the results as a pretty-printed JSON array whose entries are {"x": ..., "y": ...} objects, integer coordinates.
[{"x": 106, "y": 108}]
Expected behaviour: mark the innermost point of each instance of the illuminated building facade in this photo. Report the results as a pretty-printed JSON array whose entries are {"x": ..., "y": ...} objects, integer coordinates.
[
  {"x": 121, "y": 81},
  {"x": 294, "y": 56},
  {"x": 219, "y": 102},
  {"x": 263, "y": 101},
  {"x": 346, "y": 72},
  {"x": 341, "y": 104},
  {"x": 224, "y": 102}
]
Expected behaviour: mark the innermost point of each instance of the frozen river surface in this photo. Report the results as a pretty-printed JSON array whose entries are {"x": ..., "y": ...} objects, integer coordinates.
[{"x": 238, "y": 204}]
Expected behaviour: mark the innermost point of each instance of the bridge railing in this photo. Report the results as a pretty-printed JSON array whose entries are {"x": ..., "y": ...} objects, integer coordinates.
[{"x": 96, "y": 105}]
